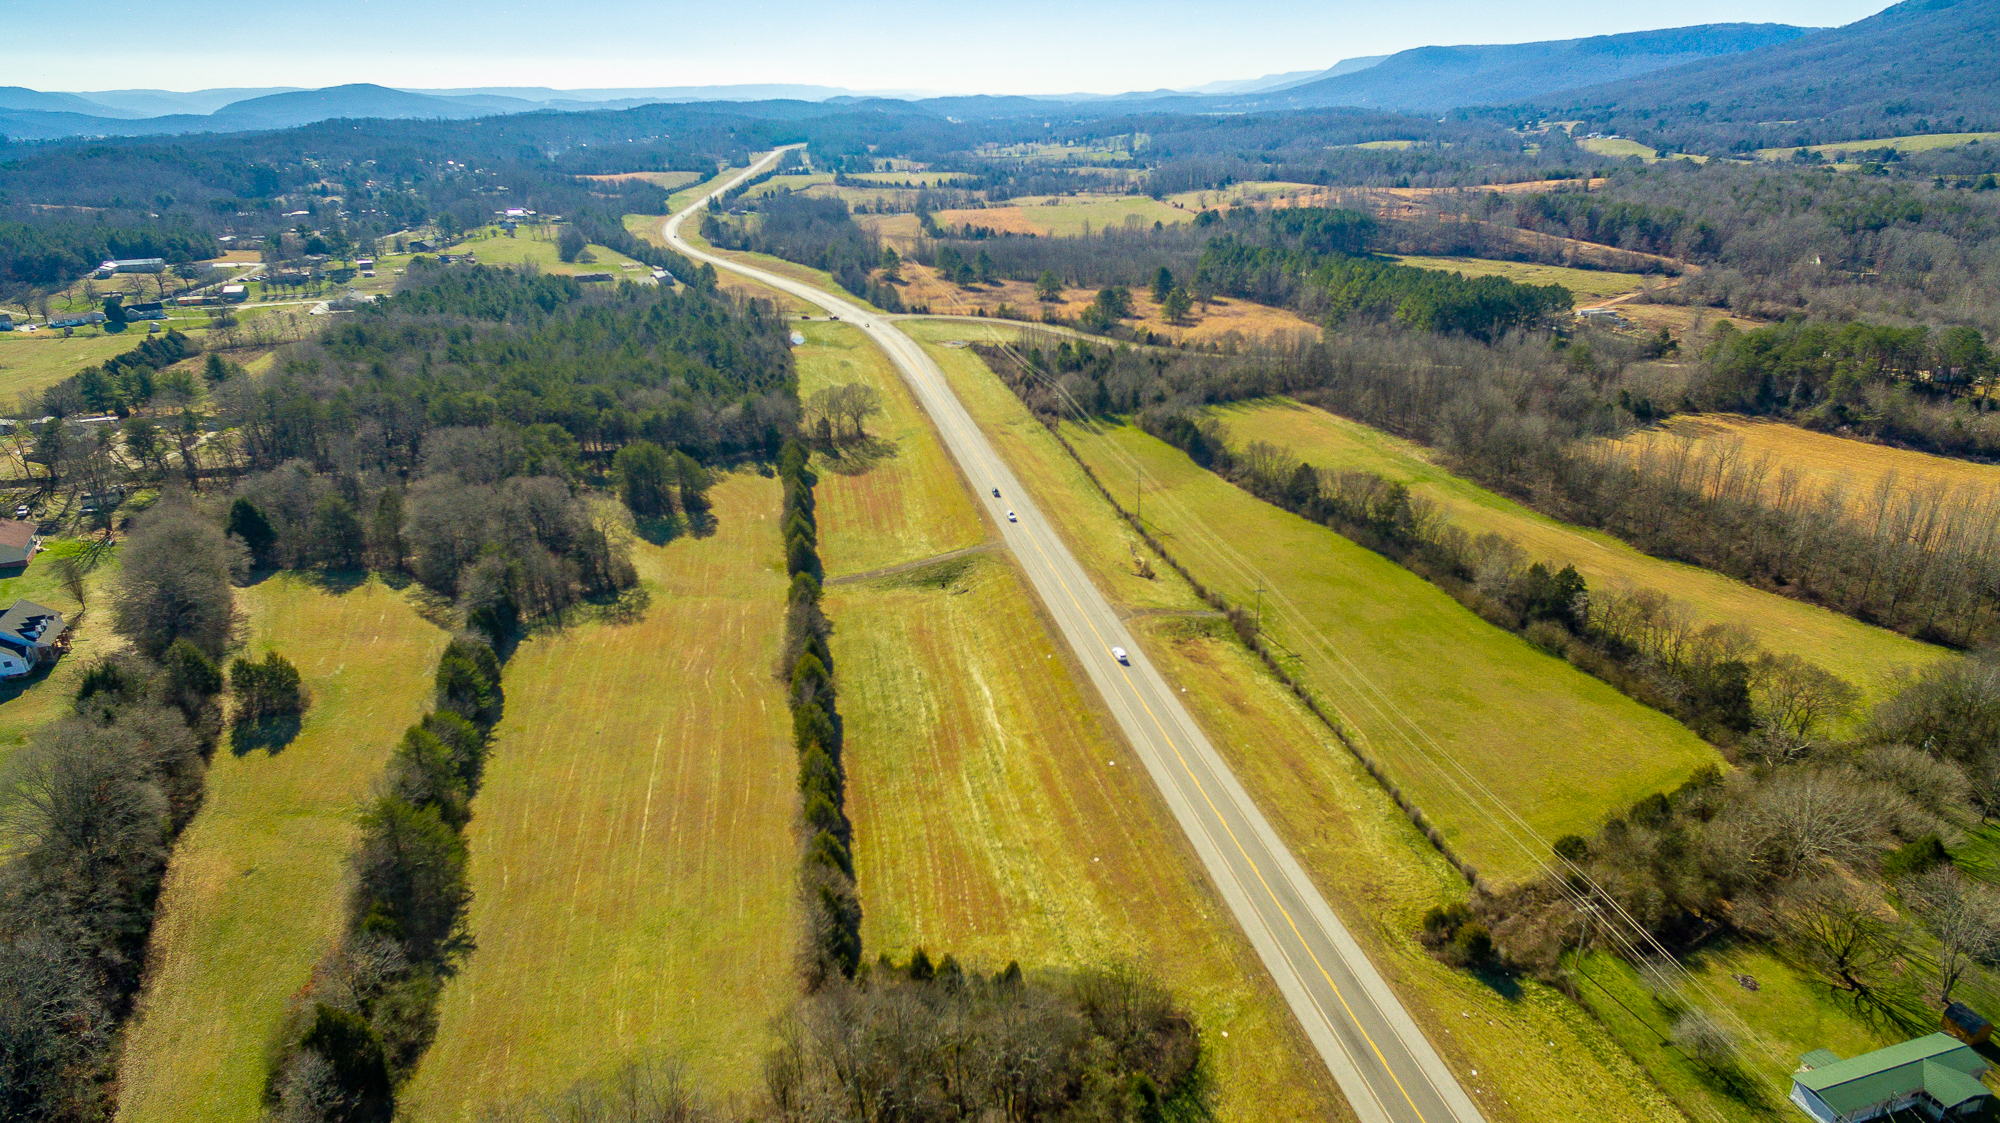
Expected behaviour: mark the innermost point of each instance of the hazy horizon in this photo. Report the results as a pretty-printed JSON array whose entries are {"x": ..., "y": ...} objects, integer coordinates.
[{"x": 1115, "y": 48}]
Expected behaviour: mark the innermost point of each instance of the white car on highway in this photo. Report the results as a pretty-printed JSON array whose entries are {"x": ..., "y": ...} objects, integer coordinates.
[
  {"x": 1011, "y": 518},
  {"x": 1118, "y": 653}
]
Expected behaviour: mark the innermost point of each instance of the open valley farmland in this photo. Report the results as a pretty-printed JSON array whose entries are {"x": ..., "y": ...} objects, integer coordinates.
[
  {"x": 1860, "y": 653},
  {"x": 256, "y": 892},
  {"x": 1373, "y": 866},
  {"x": 632, "y": 851},
  {"x": 1395, "y": 655}
]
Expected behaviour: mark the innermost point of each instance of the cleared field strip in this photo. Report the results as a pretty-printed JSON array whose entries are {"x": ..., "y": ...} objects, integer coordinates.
[
  {"x": 1068, "y": 216},
  {"x": 1822, "y": 460},
  {"x": 256, "y": 890},
  {"x": 632, "y": 853},
  {"x": 998, "y": 816},
  {"x": 1860, "y": 653},
  {"x": 1587, "y": 284},
  {"x": 1926, "y": 142},
  {"x": 899, "y": 496},
  {"x": 1363, "y": 854}
]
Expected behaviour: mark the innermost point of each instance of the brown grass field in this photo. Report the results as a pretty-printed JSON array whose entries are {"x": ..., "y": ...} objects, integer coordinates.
[
  {"x": 998, "y": 815},
  {"x": 672, "y": 181},
  {"x": 1587, "y": 284},
  {"x": 255, "y": 893},
  {"x": 1824, "y": 461},
  {"x": 632, "y": 852},
  {"x": 1067, "y": 216},
  {"x": 1862, "y": 654},
  {"x": 1242, "y": 319},
  {"x": 1532, "y": 1050}
]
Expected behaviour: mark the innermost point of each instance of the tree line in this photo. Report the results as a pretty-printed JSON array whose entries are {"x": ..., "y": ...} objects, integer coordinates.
[
  {"x": 92, "y": 806},
  {"x": 52, "y": 254},
  {"x": 814, "y": 231},
  {"x": 356, "y": 1031},
  {"x": 831, "y": 949}
]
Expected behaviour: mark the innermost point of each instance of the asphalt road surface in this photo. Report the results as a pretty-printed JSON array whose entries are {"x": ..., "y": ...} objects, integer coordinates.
[{"x": 1381, "y": 1060}]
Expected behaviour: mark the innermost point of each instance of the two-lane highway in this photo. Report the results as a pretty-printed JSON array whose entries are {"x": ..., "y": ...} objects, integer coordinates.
[{"x": 1386, "y": 1068}]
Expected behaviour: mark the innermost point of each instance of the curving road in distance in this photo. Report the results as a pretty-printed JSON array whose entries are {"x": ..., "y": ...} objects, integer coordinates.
[{"x": 1381, "y": 1060}]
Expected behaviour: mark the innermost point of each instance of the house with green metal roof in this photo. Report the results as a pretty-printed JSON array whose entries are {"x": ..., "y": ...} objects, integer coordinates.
[{"x": 1936, "y": 1076}]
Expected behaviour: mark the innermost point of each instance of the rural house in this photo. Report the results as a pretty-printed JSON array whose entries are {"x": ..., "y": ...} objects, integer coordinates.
[
  {"x": 30, "y": 636},
  {"x": 1936, "y": 1077},
  {"x": 18, "y": 542}
]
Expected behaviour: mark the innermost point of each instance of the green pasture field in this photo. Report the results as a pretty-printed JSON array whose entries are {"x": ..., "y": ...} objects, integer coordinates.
[
  {"x": 1375, "y": 868},
  {"x": 1926, "y": 142},
  {"x": 633, "y": 859},
  {"x": 255, "y": 894},
  {"x": 31, "y": 362},
  {"x": 794, "y": 183},
  {"x": 1789, "y": 1013},
  {"x": 1587, "y": 284},
  {"x": 679, "y": 200},
  {"x": 27, "y": 704},
  {"x": 997, "y": 813},
  {"x": 539, "y": 247},
  {"x": 1557, "y": 747},
  {"x": 1617, "y": 146},
  {"x": 899, "y": 498},
  {"x": 1864, "y": 655}
]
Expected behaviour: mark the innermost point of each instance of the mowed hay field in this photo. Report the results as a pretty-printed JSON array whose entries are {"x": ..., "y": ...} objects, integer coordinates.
[
  {"x": 1586, "y": 284},
  {"x": 256, "y": 890},
  {"x": 1066, "y": 216},
  {"x": 1531, "y": 1051},
  {"x": 1823, "y": 461},
  {"x": 899, "y": 497},
  {"x": 1427, "y": 687},
  {"x": 632, "y": 847},
  {"x": 1864, "y": 655},
  {"x": 997, "y": 814},
  {"x": 33, "y": 361}
]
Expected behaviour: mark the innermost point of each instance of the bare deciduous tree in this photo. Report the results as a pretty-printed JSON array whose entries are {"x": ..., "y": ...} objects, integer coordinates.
[
  {"x": 1963, "y": 916},
  {"x": 1843, "y": 938}
]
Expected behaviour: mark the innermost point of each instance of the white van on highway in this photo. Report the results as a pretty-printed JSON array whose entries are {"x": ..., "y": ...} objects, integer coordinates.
[{"x": 1118, "y": 653}]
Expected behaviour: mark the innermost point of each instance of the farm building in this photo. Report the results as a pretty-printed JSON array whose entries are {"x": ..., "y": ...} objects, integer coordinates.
[
  {"x": 235, "y": 294},
  {"x": 150, "y": 310},
  {"x": 1937, "y": 1077},
  {"x": 132, "y": 265},
  {"x": 18, "y": 542},
  {"x": 30, "y": 636}
]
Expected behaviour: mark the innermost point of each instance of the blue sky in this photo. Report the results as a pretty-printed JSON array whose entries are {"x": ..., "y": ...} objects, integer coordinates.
[{"x": 1022, "y": 46}]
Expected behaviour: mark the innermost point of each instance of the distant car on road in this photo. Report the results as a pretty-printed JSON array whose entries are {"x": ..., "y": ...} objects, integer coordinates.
[
  {"x": 996, "y": 493},
  {"x": 1011, "y": 518},
  {"x": 1118, "y": 653}
]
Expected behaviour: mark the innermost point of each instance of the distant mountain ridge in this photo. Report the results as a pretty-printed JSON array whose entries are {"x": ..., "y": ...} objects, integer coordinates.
[
  {"x": 1432, "y": 79},
  {"x": 1920, "y": 66}
]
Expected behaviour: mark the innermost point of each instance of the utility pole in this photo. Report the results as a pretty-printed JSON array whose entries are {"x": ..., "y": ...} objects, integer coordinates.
[
  {"x": 1260, "y": 606},
  {"x": 1138, "y": 497}
]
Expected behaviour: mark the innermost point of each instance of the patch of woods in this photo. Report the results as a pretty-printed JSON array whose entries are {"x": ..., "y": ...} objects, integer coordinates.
[
  {"x": 830, "y": 949},
  {"x": 940, "y": 1043},
  {"x": 1905, "y": 386},
  {"x": 356, "y": 1031},
  {"x": 125, "y": 381},
  {"x": 1841, "y": 858},
  {"x": 91, "y": 807},
  {"x": 1312, "y": 260}
]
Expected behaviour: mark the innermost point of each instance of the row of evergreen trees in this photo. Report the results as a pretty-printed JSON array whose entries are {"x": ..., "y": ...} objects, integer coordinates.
[
  {"x": 826, "y": 877},
  {"x": 369, "y": 1013}
]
